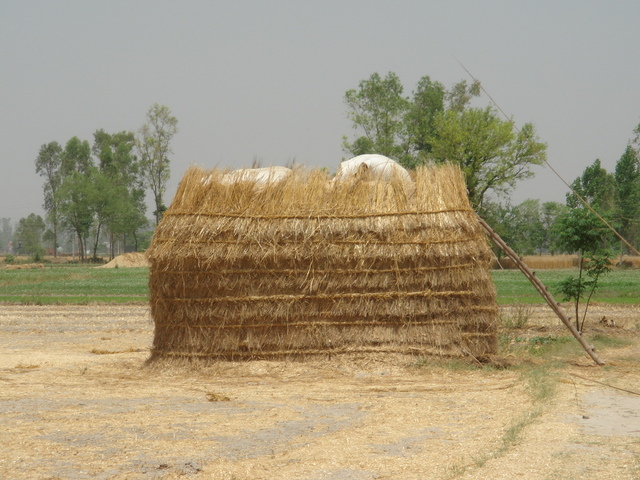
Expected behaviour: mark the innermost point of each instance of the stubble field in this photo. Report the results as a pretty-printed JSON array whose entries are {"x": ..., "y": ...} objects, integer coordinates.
[{"x": 78, "y": 401}]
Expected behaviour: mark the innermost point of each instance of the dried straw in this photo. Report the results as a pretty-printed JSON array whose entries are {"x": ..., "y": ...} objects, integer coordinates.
[{"x": 309, "y": 266}]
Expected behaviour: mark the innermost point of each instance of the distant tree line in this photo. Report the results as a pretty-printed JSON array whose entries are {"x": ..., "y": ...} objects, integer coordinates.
[
  {"x": 534, "y": 227},
  {"x": 95, "y": 189}
]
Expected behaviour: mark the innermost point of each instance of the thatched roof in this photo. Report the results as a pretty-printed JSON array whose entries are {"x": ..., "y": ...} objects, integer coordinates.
[{"x": 308, "y": 265}]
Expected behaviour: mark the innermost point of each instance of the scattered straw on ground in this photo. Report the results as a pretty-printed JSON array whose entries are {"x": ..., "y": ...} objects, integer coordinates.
[{"x": 68, "y": 412}]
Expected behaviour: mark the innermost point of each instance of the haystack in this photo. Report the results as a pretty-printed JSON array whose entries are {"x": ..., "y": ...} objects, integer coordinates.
[{"x": 310, "y": 266}]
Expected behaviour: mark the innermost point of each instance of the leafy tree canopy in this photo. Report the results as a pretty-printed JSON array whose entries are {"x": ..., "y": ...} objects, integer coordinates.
[
  {"x": 596, "y": 186},
  {"x": 28, "y": 235},
  {"x": 153, "y": 144},
  {"x": 627, "y": 194},
  {"x": 439, "y": 125}
]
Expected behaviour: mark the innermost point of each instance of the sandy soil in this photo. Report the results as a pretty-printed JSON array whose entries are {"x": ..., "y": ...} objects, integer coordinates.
[{"x": 77, "y": 401}]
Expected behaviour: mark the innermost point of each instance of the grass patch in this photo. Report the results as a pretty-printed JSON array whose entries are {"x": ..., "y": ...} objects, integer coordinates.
[
  {"x": 547, "y": 346},
  {"x": 620, "y": 286},
  {"x": 514, "y": 432},
  {"x": 74, "y": 284},
  {"x": 541, "y": 382},
  {"x": 601, "y": 341}
]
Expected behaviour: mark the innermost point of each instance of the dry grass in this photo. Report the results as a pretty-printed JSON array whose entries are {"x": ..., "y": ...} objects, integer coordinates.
[{"x": 308, "y": 266}]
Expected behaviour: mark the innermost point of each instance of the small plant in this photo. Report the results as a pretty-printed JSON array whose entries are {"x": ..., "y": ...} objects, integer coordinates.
[
  {"x": 9, "y": 259},
  {"x": 579, "y": 230},
  {"x": 584, "y": 286},
  {"x": 541, "y": 383},
  {"x": 518, "y": 318}
]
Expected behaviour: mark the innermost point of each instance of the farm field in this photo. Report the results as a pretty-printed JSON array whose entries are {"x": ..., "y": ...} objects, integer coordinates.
[
  {"x": 78, "y": 401},
  {"x": 79, "y": 284}
]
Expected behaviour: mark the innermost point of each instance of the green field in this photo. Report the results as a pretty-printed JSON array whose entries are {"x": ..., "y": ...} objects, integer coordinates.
[
  {"x": 75, "y": 285},
  {"x": 84, "y": 284},
  {"x": 618, "y": 286}
]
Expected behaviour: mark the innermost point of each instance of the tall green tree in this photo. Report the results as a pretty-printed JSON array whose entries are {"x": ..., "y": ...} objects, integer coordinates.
[
  {"x": 377, "y": 110},
  {"x": 49, "y": 166},
  {"x": 627, "y": 195},
  {"x": 441, "y": 126},
  {"x": 153, "y": 144},
  {"x": 76, "y": 194},
  {"x": 121, "y": 204},
  {"x": 28, "y": 236},
  {"x": 428, "y": 101},
  {"x": 597, "y": 187},
  {"x": 76, "y": 157}
]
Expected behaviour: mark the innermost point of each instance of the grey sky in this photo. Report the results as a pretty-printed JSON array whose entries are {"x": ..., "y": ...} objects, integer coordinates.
[{"x": 266, "y": 79}]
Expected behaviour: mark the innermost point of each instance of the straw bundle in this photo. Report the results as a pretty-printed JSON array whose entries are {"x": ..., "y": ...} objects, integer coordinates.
[{"x": 311, "y": 266}]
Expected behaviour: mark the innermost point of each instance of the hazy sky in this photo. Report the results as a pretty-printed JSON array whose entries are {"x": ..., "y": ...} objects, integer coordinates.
[{"x": 266, "y": 79}]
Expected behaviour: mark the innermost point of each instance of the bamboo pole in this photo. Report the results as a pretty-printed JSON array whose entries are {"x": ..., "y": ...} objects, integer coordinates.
[{"x": 540, "y": 287}]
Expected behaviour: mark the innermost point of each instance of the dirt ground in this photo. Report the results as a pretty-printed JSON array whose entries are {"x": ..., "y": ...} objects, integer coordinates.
[{"x": 78, "y": 402}]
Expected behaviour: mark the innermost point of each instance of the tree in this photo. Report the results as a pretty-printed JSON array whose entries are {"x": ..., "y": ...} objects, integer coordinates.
[
  {"x": 529, "y": 228},
  {"x": 627, "y": 194},
  {"x": 6, "y": 235},
  {"x": 76, "y": 193},
  {"x": 439, "y": 125},
  {"x": 28, "y": 236},
  {"x": 551, "y": 212},
  {"x": 121, "y": 207},
  {"x": 491, "y": 154},
  {"x": 579, "y": 230},
  {"x": 49, "y": 166},
  {"x": 499, "y": 216},
  {"x": 597, "y": 187},
  {"x": 76, "y": 157},
  {"x": 461, "y": 95},
  {"x": 154, "y": 146},
  {"x": 428, "y": 101},
  {"x": 525, "y": 227},
  {"x": 378, "y": 109}
]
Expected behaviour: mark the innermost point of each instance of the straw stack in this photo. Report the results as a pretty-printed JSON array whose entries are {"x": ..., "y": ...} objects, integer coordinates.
[{"x": 310, "y": 266}]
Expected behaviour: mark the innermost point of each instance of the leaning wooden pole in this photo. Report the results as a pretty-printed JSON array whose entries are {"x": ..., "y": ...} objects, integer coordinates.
[{"x": 539, "y": 286}]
